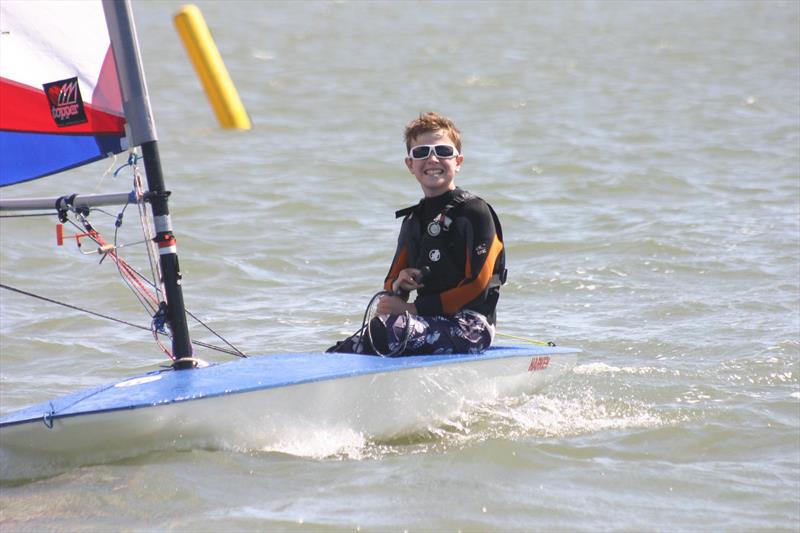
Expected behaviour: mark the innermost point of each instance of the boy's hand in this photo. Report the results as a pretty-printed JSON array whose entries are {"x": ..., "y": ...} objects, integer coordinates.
[
  {"x": 407, "y": 280},
  {"x": 394, "y": 305}
]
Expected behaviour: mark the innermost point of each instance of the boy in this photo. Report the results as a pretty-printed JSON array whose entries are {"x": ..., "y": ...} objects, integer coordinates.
[{"x": 450, "y": 250}]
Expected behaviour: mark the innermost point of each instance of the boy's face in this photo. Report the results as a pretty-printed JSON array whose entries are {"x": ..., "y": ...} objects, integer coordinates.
[{"x": 436, "y": 176}]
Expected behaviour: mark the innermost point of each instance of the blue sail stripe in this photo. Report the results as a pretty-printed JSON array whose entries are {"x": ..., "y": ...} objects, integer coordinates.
[{"x": 26, "y": 156}]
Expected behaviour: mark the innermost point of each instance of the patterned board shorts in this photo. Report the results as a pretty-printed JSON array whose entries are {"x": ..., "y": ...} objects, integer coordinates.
[{"x": 464, "y": 332}]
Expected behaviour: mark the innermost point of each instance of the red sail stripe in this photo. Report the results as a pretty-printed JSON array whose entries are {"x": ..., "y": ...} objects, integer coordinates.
[{"x": 26, "y": 109}]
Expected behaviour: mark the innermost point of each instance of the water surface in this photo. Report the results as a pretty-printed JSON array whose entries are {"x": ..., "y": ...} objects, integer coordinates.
[{"x": 645, "y": 161}]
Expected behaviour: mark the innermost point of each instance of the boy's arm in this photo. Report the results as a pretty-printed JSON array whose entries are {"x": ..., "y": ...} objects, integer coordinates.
[{"x": 400, "y": 260}]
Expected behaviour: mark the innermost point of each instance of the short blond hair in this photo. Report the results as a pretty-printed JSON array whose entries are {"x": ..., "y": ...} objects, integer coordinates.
[{"x": 429, "y": 122}]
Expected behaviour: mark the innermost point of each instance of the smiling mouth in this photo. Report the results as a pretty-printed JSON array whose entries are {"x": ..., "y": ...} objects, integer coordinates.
[{"x": 434, "y": 172}]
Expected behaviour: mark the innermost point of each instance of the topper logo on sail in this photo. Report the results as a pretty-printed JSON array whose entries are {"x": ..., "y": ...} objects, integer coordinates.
[{"x": 66, "y": 104}]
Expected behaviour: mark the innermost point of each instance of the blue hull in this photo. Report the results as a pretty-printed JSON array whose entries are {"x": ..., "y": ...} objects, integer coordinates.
[{"x": 243, "y": 376}]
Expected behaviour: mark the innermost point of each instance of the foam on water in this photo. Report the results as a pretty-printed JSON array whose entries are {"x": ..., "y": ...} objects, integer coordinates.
[{"x": 534, "y": 418}]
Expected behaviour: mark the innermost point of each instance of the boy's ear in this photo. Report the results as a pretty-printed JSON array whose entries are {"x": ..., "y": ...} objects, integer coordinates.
[{"x": 408, "y": 164}]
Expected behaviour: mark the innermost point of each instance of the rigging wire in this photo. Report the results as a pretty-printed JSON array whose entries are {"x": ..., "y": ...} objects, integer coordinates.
[
  {"x": 135, "y": 281},
  {"x": 234, "y": 351},
  {"x": 133, "y": 277},
  {"x": 147, "y": 228},
  {"x": 70, "y": 306},
  {"x": 152, "y": 301}
]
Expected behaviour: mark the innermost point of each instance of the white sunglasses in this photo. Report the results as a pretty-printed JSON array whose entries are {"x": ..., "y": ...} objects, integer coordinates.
[{"x": 442, "y": 151}]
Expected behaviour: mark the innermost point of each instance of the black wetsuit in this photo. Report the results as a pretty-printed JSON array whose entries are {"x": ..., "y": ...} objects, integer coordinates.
[{"x": 458, "y": 236}]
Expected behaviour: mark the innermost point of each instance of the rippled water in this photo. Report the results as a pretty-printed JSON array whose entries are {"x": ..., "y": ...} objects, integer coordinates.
[{"x": 645, "y": 160}]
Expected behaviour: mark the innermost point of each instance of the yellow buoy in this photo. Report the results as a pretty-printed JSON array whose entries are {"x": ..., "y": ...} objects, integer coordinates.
[{"x": 210, "y": 68}]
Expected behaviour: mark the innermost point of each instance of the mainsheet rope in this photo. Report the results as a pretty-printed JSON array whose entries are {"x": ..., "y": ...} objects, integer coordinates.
[{"x": 526, "y": 339}]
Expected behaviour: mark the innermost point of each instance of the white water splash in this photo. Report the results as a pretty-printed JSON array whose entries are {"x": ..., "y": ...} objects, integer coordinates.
[
  {"x": 554, "y": 416},
  {"x": 321, "y": 444},
  {"x": 538, "y": 416},
  {"x": 603, "y": 368}
]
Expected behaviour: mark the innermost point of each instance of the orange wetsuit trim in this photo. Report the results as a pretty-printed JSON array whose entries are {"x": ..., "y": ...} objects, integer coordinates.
[
  {"x": 454, "y": 299},
  {"x": 399, "y": 264}
]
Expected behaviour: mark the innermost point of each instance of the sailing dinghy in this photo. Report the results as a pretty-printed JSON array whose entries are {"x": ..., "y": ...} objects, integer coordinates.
[{"x": 73, "y": 92}]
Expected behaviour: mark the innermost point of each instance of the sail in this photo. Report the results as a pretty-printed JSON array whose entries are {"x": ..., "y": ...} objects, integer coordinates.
[{"x": 60, "y": 100}]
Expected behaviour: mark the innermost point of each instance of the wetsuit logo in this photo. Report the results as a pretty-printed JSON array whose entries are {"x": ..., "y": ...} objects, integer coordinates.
[
  {"x": 434, "y": 229},
  {"x": 66, "y": 104},
  {"x": 435, "y": 255}
]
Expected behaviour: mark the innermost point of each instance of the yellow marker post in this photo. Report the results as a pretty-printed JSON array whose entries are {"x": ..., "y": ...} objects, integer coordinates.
[{"x": 210, "y": 68}]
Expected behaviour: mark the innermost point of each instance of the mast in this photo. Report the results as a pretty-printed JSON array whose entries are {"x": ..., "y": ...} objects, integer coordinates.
[{"x": 136, "y": 102}]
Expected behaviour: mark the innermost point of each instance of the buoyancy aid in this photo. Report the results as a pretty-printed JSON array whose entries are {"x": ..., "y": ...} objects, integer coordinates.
[{"x": 442, "y": 247}]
